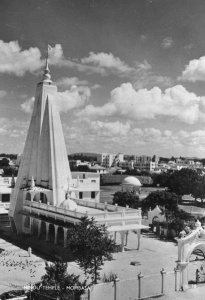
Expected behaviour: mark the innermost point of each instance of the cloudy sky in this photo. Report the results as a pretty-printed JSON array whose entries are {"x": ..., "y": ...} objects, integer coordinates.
[{"x": 130, "y": 74}]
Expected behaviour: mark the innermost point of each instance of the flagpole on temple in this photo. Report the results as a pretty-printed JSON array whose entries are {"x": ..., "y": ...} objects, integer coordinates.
[{"x": 46, "y": 75}]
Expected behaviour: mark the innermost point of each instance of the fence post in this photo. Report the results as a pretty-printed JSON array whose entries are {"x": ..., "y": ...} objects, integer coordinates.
[
  {"x": 89, "y": 294},
  {"x": 115, "y": 288},
  {"x": 140, "y": 276},
  {"x": 163, "y": 272},
  {"x": 176, "y": 272}
]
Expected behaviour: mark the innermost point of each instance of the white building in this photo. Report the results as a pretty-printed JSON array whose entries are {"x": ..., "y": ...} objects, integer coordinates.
[
  {"x": 47, "y": 197},
  {"x": 6, "y": 188},
  {"x": 86, "y": 186},
  {"x": 109, "y": 159}
]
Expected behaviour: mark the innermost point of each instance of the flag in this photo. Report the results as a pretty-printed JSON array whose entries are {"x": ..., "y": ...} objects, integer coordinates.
[{"x": 49, "y": 48}]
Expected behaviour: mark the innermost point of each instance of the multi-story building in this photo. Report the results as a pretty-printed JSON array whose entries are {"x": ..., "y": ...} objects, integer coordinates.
[
  {"x": 145, "y": 163},
  {"x": 109, "y": 159},
  {"x": 86, "y": 186}
]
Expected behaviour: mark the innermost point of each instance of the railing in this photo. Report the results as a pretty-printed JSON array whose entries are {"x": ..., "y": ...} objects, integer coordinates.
[
  {"x": 123, "y": 217},
  {"x": 105, "y": 206},
  {"x": 140, "y": 287}
]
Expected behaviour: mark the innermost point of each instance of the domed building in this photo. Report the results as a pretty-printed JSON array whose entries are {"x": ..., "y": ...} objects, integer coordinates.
[
  {"x": 69, "y": 204},
  {"x": 131, "y": 184}
]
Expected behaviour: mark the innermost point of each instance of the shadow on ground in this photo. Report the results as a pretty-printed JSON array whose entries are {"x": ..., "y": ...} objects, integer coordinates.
[{"x": 43, "y": 249}]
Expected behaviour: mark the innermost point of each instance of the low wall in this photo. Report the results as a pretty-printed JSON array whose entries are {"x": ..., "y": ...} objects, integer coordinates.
[
  {"x": 141, "y": 286},
  {"x": 106, "y": 179}
]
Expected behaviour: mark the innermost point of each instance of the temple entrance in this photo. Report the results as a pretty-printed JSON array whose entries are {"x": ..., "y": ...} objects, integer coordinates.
[
  {"x": 191, "y": 258},
  {"x": 196, "y": 267}
]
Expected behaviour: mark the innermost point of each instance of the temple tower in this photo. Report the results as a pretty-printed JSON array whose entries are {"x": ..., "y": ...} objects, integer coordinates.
[{"x": 44, "y": 173}]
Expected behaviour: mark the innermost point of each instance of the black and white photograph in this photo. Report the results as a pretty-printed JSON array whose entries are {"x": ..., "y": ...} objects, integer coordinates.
[{"x": 102, "y": 149}]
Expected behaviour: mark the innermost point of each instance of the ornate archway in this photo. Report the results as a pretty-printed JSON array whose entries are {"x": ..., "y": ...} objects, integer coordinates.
[
  {"x": 194, "y": 241},
  {"x": 40, "y": 196}
]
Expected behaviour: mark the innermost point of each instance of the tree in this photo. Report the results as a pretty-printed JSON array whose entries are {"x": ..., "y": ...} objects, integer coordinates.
[
  {"x": 126, "y": 198},
  {"x": 199, "y": 188},
  {"x": 91, "y": 246},
  {"x": 160, "y": 179},
  {"x": 57, "y": 283},
  {"x": 183, "y": 182},
  {"x": 161, "y": 198},
  {"x": 4, "y": 162},
  {"x": 9, "y": 171}
]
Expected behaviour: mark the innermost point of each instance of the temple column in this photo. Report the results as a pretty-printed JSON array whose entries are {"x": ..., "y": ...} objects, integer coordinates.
[
  {"x": 31, "y": 225},
  {"x": 183, "y": 267},
  {"x": 65, "y": 231},
  {"x": 39, "y": 228},
  {"x": 122, "y": 234},
  {"x": 47, "y": 231},
  {"x": 56, "y": 234},
  {"x": 115, "y": 236},
  {"x": 126, "y": 240},
  {"x": 138, "y": 238}
]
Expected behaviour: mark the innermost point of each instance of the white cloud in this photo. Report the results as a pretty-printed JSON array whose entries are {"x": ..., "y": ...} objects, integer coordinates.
[
  {"x": 14, "y": 60},
  {"x": 73, "y": 98},
  {"x": 106, "y": 60},
  {"x": 126, "y": 102},
  {"x": 12, "y": 128},
  {"x": 56, "y": 55},
  {"x": 27, "y": 106},
  {"x": 2, "y": 93},
  {"x": 70, "y": 99},
  {"x": 167, "y": 42},
  {"x": 69, "y": 81},
  {"x": 107, "y": 63},
  {"x": 143, "y": 37},
  {"x": 194, "y": 71},
  {"x": 109, "y": 128}
]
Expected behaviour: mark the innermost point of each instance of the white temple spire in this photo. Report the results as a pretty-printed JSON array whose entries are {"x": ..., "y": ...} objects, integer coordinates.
[
  {"x": 44, "y": 161},
  {"x": 47, "y": 74}
]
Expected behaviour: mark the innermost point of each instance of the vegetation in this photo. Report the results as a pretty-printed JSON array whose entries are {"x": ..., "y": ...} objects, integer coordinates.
[
  {"x": 4, "y": 162},
  {"x": 91, "y": 246},
  {"x": 183, "y": 182},
  {"x": 80, "y": 168},
  {"x": 164, "y": 199},
  {"x": 82, "y": 157},
  {"x": 109, "y": 277},
  {"x": 9, "y": 171},
  {"x": 58, "y": 284},
  {"x": 160, "y": 179},
  {"x": 126, "y": 198}
]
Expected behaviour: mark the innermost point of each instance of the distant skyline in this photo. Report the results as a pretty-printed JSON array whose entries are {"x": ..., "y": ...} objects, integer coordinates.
[{"x": 130, "y": 74}]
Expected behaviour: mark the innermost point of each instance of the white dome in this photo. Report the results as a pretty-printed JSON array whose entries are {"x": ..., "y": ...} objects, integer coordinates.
[
  {"x": 69, "y": 204},
  {"x": 131, "y": 180}
]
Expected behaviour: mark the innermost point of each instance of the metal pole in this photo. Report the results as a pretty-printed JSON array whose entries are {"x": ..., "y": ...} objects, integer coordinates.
[
  {"x": 163, "y": 272},
  {"x": 115, "y": 288},
  {"x": 89, "y": 294},
  {"x": 140, "y": 276},
  {"x": 176, "y": 272}
]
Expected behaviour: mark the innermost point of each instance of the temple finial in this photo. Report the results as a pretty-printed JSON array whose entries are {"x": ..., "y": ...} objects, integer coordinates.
[{"x": 46, "y": 74}]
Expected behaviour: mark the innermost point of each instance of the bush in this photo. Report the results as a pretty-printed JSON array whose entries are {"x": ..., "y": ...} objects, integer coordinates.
[
  {"x": 126, "y": 198},
  {"x": 109, "y": 277}
]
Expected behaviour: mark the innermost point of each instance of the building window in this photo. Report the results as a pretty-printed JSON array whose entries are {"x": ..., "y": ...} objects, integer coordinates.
[
  {"x": 92, "y": 195},
  {"x": 93, "y": 180},
  {"x": 5, "y": 198},
  {"x": 43, "y": 198},
  {"x": 83, "y": 176},
  {"x": 27, "y": 222},
  {"x": 80, "y": 195}
]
